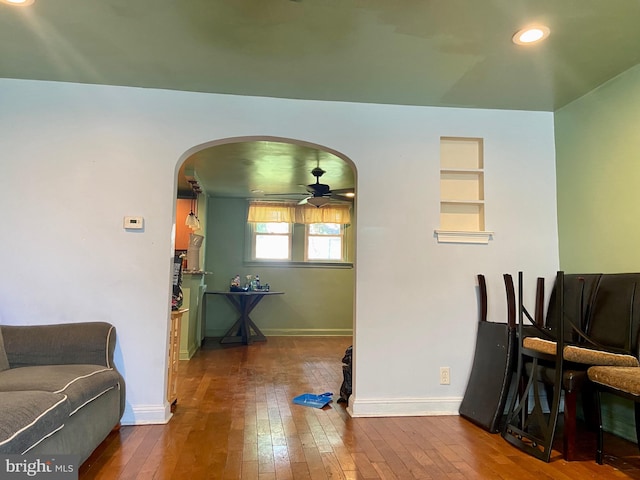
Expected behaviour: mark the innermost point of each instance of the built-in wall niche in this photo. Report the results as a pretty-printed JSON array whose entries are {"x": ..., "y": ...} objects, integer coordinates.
[{"x": 462, "y": 207}]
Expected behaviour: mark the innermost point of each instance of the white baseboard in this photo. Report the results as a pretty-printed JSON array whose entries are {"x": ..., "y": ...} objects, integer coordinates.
[
  {"x": 404, "y": 407},
  {"x": 146, "y": 414}
]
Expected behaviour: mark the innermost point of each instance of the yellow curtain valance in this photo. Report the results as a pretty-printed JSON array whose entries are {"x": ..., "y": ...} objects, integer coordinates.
[
  {"x": 271, "y": 212},
  {"x": 332, "y": 213},
  {"x": 280, "y": 212}
]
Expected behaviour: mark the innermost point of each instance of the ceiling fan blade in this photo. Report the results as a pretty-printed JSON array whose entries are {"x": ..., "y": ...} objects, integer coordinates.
[
  {"x": 342, "y": 191},
  {"x": 303, "y": 201},
  {"x": 297, "y": 194},
  {"x": 341, "y": 199}
]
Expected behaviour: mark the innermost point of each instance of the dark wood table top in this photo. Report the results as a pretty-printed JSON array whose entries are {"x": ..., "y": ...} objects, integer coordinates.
[{"x": 247, "y": 293}]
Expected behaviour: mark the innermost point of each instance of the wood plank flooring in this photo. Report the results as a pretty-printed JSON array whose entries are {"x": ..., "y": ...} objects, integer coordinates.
[{"x": 235, "y": 420}]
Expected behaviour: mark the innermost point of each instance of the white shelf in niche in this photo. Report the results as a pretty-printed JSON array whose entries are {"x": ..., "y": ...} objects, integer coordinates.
[
  {"x": 453, "y": 236},
  {"x": 462, "y": 170},
  {"x": 462, "y": 202}
]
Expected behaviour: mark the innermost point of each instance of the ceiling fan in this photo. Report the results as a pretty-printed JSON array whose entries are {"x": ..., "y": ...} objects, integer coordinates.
[{"x": 319, "y": 194}]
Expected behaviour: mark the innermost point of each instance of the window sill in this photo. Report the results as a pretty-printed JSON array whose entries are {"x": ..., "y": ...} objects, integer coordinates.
[
  {"x": 280, "y": 264},
  {"x": 451, "y": 236}
]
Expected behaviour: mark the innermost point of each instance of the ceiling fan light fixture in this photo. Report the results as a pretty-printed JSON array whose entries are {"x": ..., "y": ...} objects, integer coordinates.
[
  {"x": 318, "y": 201},
  {"x": 530, "y": 35}
]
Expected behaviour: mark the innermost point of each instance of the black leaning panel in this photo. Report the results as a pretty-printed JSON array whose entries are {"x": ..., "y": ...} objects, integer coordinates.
[{"x": 493, "y": 365}]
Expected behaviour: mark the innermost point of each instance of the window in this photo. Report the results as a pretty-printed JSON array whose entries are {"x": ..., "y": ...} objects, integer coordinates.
[
  {"x": 292, "y": 235},
  {"x": 272, "y": 241},
  {"x": 324, "y": 241}
]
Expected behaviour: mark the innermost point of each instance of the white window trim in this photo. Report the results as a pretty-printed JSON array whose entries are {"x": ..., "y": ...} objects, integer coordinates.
[{"x": 254, "y": 234}]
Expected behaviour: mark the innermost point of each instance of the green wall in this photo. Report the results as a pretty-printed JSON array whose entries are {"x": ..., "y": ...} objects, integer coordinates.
[
  {"x": 598, "y": 184},
  {"x": 317, "y": 300},
  {"x": 598, "y": 178}
]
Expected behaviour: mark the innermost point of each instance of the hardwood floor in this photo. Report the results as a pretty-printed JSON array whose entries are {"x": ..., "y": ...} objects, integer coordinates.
[{"x": 235, "y": 420}]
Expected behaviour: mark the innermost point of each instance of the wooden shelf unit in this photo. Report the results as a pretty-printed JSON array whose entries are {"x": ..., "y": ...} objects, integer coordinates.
[{"x": 174, "y": 356}]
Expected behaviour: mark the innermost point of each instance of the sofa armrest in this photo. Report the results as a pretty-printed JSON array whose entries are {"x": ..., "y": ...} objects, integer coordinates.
[{"x": 69, "y": 343}]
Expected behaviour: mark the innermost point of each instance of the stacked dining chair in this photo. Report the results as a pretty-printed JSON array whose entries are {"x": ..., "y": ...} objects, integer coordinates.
[{"x": 592, "y": 324}]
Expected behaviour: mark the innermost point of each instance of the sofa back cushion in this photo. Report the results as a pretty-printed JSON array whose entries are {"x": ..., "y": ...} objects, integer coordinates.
[
  {"x": 71, "y": 343},
  {"x": 4, "y": 361}
]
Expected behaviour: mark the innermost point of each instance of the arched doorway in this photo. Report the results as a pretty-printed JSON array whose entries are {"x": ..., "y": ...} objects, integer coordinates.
[{"x": 320, "y": 295}]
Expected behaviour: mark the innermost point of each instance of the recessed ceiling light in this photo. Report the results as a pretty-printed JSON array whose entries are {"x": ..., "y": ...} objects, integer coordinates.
[
  {"x": 18, "y": 3},
  {"x": 530, "y": 35}
]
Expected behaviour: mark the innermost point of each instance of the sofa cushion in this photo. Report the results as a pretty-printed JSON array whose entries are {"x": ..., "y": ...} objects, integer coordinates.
[
  {"x": 28, "y": 417},
  {"x": 89, "y": 343},
  {"x": 4, "y": 361},
  {"x": 80, "y": 383}
]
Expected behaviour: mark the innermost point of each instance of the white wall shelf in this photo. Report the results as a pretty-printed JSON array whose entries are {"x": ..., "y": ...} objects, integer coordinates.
[
  {"x": 462, "y": 170},
  {"x": 448, "y": 236}
]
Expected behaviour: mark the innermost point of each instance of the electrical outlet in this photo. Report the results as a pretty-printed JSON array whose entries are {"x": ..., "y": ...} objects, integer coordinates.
[{"x": 445, "y": 376}]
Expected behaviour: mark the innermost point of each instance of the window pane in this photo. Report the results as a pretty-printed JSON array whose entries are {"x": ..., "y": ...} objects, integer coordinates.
[
  {"x": 272, "y": 227},
  {"x": 274, "y": 247},
  {"x": 325, "y": 248},
  {"x": 324, "y": 229}
]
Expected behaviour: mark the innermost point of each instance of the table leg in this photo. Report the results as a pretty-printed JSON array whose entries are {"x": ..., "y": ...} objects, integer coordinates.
[
  {"x": 241, "y": 331},
  {"x": 249, "y": 305}
]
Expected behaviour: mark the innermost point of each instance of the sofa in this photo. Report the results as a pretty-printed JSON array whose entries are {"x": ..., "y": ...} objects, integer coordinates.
[{"x": 59, "y": 389}]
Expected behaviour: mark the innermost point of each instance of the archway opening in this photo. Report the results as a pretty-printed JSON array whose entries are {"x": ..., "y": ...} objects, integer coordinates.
[{"x": 319, "y": 296}]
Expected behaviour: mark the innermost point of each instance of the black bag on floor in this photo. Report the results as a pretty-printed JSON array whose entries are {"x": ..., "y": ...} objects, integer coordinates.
[{"x": 345, "y": 388}]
